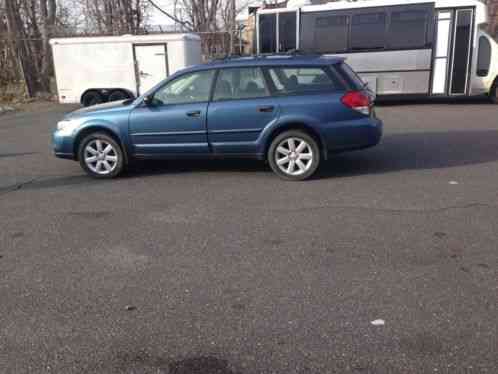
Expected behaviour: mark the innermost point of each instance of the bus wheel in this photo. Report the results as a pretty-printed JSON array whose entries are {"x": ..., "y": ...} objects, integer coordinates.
[
  {"x": 92, "y": 98},
  {"x": 493, "y": 94}
]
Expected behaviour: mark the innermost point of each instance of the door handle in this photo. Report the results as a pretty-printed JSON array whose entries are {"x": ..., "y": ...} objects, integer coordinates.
[
  {"x": 266, "y": 109},
  {"x": 194, "y": 113}
]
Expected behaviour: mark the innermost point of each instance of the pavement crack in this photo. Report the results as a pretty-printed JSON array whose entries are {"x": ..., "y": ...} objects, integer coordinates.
[
  {"x": 393, "y": 210},
  {"x": 19, "y": 186}
]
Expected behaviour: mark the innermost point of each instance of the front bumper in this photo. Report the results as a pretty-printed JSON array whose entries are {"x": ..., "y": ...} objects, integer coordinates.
[{"x": 63, "y": 145}]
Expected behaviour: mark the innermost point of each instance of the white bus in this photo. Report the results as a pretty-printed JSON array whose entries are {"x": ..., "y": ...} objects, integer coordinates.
[{"x": 400, "y": 48}]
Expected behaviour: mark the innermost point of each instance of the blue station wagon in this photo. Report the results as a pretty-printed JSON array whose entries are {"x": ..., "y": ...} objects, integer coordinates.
[{"x": 292, "y": 111}]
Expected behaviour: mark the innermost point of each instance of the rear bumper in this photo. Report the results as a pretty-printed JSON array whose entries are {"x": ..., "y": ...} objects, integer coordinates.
[{"x": 351, "y": 135}]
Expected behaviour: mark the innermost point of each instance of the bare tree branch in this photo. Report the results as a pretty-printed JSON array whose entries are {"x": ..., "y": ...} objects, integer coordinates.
[{"x": 186, "y": 24}]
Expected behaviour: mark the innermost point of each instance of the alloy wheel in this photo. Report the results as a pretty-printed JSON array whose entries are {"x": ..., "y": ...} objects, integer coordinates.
[
  {"x": 294, "y": 156},
  {"x": 100, "y": 157}
]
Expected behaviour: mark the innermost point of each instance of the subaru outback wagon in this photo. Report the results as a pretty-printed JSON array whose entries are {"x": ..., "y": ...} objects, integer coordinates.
[{"x": 292, "y": 111}]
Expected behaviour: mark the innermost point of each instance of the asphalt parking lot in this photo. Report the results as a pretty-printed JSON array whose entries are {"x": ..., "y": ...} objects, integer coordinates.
[{"x": 220, "y": 267}]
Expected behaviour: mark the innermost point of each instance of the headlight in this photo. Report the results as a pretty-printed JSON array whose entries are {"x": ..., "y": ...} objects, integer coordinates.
[{"x": 66, "y": 127}]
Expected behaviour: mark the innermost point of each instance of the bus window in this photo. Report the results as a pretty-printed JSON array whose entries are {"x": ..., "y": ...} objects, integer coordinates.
[
  {"x": 267, "y": 33},
  {"x": 368, "y": 31},
  {"x": 408, "y": 29},
  {"x": 287, "y": 31},
  {"x": 483, "y": 57},
  {"x": 331, "y": 34}
]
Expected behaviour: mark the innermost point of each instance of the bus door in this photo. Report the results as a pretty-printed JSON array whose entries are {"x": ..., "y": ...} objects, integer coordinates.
[{"x": 453, "y": 47}]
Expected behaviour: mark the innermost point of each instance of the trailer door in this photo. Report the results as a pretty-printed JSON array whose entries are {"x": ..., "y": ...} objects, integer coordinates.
[{"x": 151, "y": 65}]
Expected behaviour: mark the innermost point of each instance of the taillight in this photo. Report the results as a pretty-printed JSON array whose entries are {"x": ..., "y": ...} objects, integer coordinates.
[{"x": 358, "y": 101}]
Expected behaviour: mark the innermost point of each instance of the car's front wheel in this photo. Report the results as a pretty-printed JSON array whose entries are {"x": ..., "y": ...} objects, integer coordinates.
[
  {"x": 101, "y": 156},
  {"x": 294, "y": 155}
]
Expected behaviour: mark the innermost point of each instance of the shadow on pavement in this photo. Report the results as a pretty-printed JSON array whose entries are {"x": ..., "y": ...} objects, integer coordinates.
[
  {"x": 417, "y": 151},
  {"x": 200, "y": 365},
  {"x": 397, "y": 152},
  {"x": 476, "y": 100}
]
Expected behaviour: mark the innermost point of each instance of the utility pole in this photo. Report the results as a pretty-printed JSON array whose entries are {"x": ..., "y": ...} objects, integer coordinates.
[{"x": 232, "y": 26}]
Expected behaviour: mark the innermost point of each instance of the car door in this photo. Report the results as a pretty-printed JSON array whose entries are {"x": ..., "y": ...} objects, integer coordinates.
[
  {"x": 240, "y": 109},
  {"x": 173, "y": 121}
]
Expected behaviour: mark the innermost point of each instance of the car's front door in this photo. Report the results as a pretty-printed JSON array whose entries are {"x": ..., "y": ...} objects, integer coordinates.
[
  {"x": 240, "y": 109},
  {"x": 174, "y": 120}
]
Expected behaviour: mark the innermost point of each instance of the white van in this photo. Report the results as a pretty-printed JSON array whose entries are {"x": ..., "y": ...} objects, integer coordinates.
[{"x": 93, "y": 70}]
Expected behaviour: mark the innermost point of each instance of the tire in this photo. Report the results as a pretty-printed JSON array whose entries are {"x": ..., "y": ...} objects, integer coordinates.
[
  {"x": 117, "y": 95},
  {"x": 92, "y": 98},
  {"x": 493, "y": 94},
  {"x": 298, "y": 164},
  {"x": 96, "y": 161}
]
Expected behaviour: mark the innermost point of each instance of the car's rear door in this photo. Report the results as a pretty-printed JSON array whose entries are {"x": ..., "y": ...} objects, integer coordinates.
[{"x": 241, "y": 107}]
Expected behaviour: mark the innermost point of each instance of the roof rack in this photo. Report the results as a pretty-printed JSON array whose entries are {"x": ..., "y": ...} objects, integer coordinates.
[{"x": 290, "y": 53}]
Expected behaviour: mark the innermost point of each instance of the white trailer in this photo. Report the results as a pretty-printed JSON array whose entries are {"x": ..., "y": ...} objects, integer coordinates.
[{"x": 93, "y": 70}]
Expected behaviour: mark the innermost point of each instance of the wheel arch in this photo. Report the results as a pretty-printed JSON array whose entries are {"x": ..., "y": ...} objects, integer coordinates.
[
  {"x": 101, "y": 129},
  {"x": 295, "y": 125}
]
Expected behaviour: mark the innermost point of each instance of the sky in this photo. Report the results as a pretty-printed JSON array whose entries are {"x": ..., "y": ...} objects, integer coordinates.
[{"x": 157, "y": 18}]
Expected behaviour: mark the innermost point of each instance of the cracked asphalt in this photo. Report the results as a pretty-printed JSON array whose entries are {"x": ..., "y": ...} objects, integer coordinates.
[{"x": 220, "y": 267}]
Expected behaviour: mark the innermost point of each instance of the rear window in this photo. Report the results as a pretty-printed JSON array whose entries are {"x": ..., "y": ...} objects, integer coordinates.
[
  {"x": 350, "y": 76},
  {"x": 296, "y": 80}
]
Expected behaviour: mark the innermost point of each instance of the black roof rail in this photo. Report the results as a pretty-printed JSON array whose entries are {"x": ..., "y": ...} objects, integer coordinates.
[{"x": 290, "y": 53}]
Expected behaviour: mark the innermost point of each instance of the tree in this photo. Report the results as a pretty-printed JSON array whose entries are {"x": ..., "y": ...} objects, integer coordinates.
[
  {"x": 30, "y": 24},
  {"x": 115, "y": 17}
]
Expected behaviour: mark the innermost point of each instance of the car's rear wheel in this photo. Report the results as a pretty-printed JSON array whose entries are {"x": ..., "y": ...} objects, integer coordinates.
[
  {"x": 294, "y": 155},
  {"x": 101, "y": 156}
]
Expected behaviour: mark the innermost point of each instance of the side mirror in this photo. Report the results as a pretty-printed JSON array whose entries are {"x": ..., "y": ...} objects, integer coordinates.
[{"x": 148, "y": 100}]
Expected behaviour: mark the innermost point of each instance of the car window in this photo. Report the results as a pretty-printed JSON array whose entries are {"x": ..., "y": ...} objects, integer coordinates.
[
  {"x": 298, "y": 80},
  {"x": 189, "y": 88},
  {"x": 351, "y": 76},
  {"x": 239, "y": 83}
]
